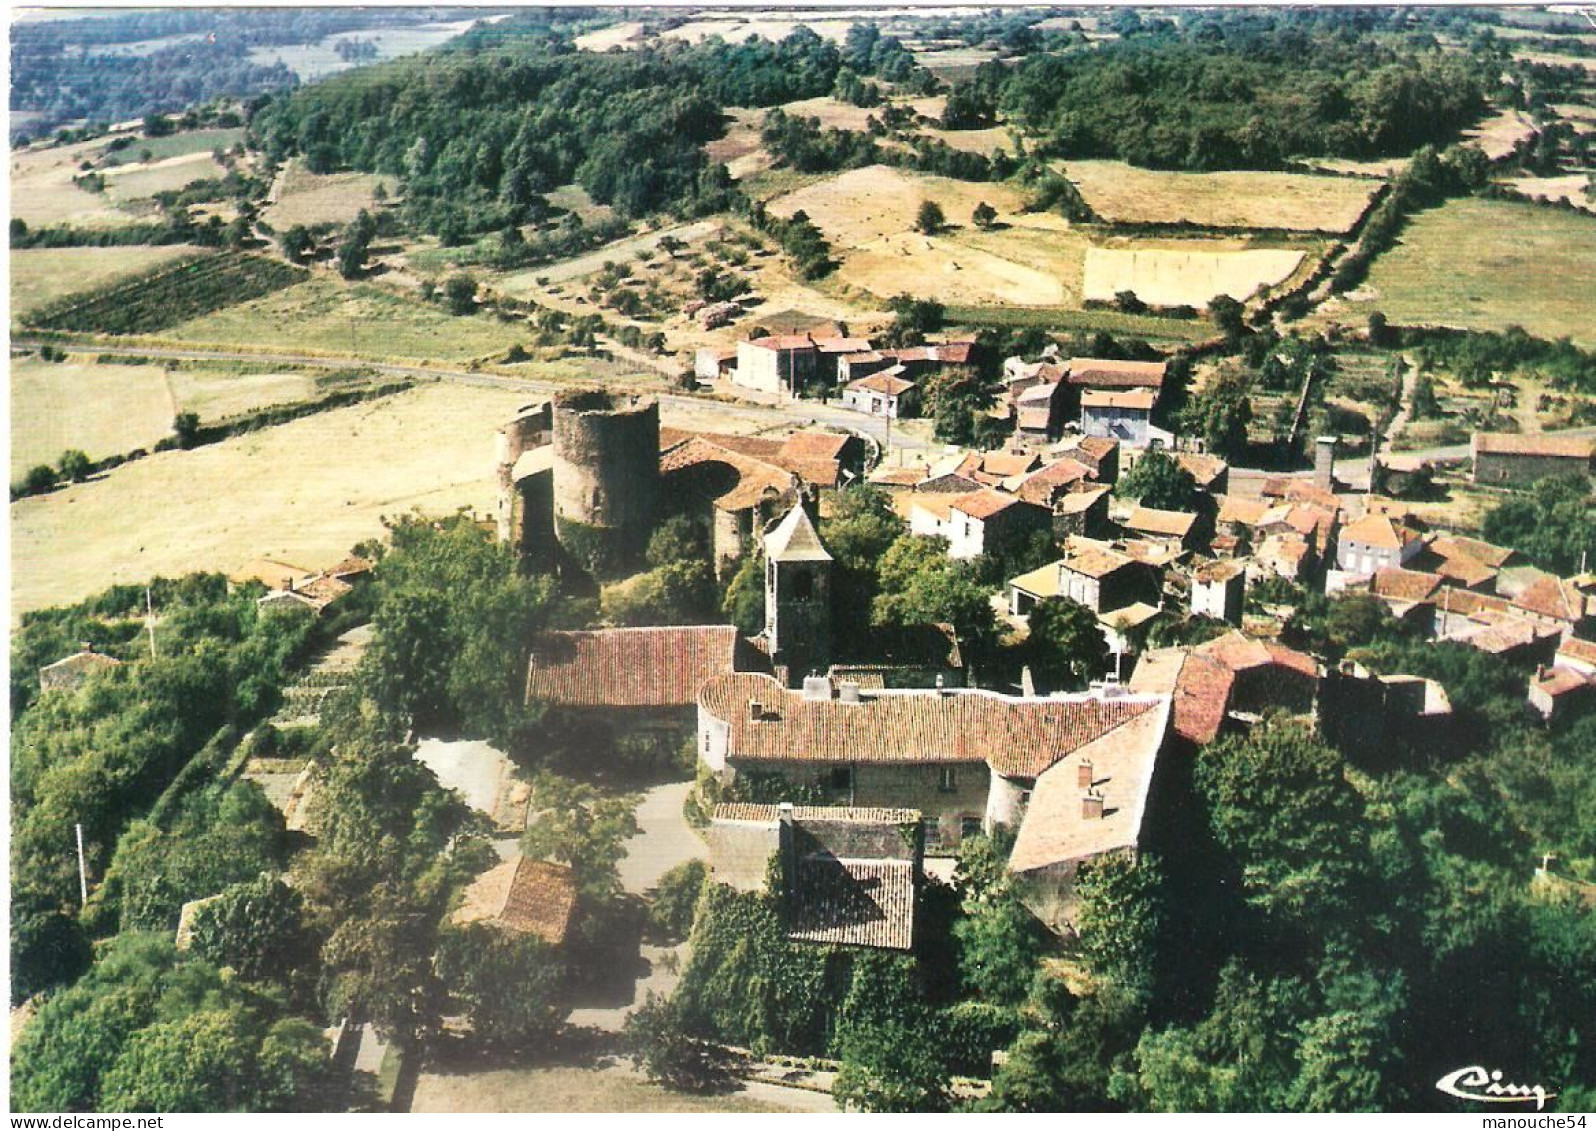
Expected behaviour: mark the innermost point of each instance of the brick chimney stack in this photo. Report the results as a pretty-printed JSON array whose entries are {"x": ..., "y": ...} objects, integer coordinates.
[
  {"x": 1085, "y": 775},
  {"x": 1092, "y": 806}
]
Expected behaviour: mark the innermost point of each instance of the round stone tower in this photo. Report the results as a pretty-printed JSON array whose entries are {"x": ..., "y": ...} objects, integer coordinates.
[{"x": 606, "y": 476}]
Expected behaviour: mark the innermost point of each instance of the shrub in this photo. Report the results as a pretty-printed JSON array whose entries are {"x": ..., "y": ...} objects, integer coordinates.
[{"x": 670, "y": 915}]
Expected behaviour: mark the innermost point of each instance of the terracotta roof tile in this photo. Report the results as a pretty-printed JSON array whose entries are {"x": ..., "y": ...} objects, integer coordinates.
[
  {"x": 764, "y": 814},
  {"x": 1205, "y": 469},
  {"x": 1380, "y": 531},
  {"x": 1140, "y": 401},
  {"x": 1455, "y": 546},
  {"x": 852, "y": 902},
  {"x": 784, "y": 342},
  {"x": 1580, "y": 651},
  {"x": 1016, "y": 737},
  {"x": 985, "y": 504},
  {"x": 629, "y": 667},
  {"x": 1175, "y": 524},
  {"x": 1509, "y": 443},
  {"x": 1246, "y": 512},
  {"x": 883, "y": 382},
  {"x": 757, "y": 480},
  {"x": 522, "y": 894},
  {"x": 1404, "y": 584},
  {"x": 1101, "y": 373},
  {"x": 1552, "y": 597}
]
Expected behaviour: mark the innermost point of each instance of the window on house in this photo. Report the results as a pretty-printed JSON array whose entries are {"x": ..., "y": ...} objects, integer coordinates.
[
  {"x": 947, "y": 779},
  {"x": 842, "y": 778},
  {"x": 969, "y": 826},
  {"x": 933, "y": 828}
]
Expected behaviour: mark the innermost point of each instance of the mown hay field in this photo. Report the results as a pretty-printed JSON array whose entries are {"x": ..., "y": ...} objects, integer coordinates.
[
  {"x": 102, "y": 410},
  {"x": 218, "y": 393},
  {"x": 325, "y": 315},
  {"x": 1182, "y": 277},
  {"x": 173, "y": 145},
  {"x": 1293, "y": 201},
  {"x": 303, "y": 197},
  {"x": 1498, "y": 136},
  {"x": 1488, "y": 264},
  {"x": 44, "y": 275}
]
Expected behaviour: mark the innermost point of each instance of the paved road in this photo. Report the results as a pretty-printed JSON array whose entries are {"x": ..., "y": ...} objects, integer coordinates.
[
  {"x": 664, "y": 838},
  {"x": 474, "y": 769}
]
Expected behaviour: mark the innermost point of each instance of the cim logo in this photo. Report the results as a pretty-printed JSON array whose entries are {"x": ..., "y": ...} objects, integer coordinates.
[{"x": 1476, "y": 1084}]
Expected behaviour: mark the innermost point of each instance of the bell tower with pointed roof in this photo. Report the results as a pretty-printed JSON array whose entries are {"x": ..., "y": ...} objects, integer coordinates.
[{"x": 797, "y": 595}]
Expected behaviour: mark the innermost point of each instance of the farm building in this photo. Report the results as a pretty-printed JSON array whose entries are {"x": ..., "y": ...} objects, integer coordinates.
[
  {"x": 778, "y": 364},
  {"x": 1219, "y": 590},
  {"x": 982, "y": 522},
  {"x": 1510, "y": 460},
  {"x": 1174, "y": 527},
  {"x": 1375, "y": 542},
  {"x": 1122, "y": 416},
  {"x": 887, "y": 394},
  {"x": 69, "y": 673},
  {"x": 523, "y": 896},
  {"x": 711, "y": 364}
]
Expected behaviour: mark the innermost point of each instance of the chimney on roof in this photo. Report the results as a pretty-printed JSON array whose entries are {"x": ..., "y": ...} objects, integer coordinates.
[
  {"x": 848, "y": 692},
  {"x": 756, "y": 711},
  {"x": 1084, "y": 776},
  {"x": 817, "y": 688},
  {"x": 1091, "y": 806},
  {"x": 1027, "y": 682},
  {"x": 941, "y": 683}
]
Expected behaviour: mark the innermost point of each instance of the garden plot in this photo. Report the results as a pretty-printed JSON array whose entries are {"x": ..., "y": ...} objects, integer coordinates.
[{"x": 1173, "y": 277}]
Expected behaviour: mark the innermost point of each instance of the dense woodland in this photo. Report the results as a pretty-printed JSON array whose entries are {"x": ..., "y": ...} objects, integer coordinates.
[{"x": 97, "y": 69}]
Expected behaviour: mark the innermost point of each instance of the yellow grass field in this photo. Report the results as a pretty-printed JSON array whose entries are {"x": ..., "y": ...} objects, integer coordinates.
[
  {"x": 304, "y": 492},
  {"x": 102, "y": 410},
  {"x": 868, "y": 215},
  {"x": 1182, "y": 277},
  {"x": 303, "y": 197},
  {"x": 42, "y": 275},
  {"x": 1295, "y": 201},
  {"x": 832, "y": 113},
  {"x": 216, "y": 394},
  {"x": 616, "y": 35},
  {"x": 1570, "y": 187},
  {"x": 322, "y": 314},
  {"x": 984, "y": 142},
  {"x": 1497, "y": 136},
  {"x": 42, "y": 192},
  {"x": 1489, "y": 264}
]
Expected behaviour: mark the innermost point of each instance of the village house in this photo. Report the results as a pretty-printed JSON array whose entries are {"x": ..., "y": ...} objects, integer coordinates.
[
  {"x": 1210, "y": 473},
  {"x": 1508, "y": 459},
  {"x": 1091, "y": 573},
  {"x": 713, "y": 364},
  {"x": 68, "y": 674},
  {"x": 982, "y": 522},
  {"x": 831, "y": 352},
  {"x": 1372, "y": 716},
  {"x": 1103, "y": 375},
  {"x": 1039, "y": 413},
  {"x": 635, "y": 678},
  {"x": 966, "y": 759},
  {"x": 887, "y": 394},
  {"x": 1219, "y": 590},
  {"x": 779, "y": 364},
  {"x": 849, "y": 876},
  {"x": 1176, "y": 528},
  {"x": 1409, "y": 594},
  {"x": 1100, "y": 453},
  {"x": 1122, "y": 416},
  {"x": 1375, "y": 542},
  {"x": 1555, "y": 692},
  {"x": 313, "y": 595},
  {"x": 1222, "y": 686},
  {"x": 853, "y": 366},
  {"x": 1289, "y": 556}
]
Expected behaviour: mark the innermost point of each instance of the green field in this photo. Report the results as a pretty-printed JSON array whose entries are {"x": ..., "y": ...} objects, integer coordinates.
[
  {"x": 174, "y": 145},
  {"x": 324, "y": 315},
  {"x": 1489, "y": 264},
  {"x": 44, "y": 275},
  {"x": 168, "y": 295}
]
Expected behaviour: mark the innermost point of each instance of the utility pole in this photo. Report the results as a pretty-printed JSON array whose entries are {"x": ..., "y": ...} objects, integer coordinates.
[
  {"x": 149, "y": 619},
  {"x": 83, "y": 870}
]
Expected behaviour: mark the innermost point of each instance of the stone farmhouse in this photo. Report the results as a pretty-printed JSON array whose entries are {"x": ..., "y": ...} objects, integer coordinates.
[
  {"x": 1508, "y": 459},
  {"x": 988, "y": 521}
]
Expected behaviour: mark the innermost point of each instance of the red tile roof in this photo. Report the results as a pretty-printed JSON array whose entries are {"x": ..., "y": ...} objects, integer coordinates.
[
  {"x": 883, "y": 383},
  {"x": 1456, "y": 546},
  {"x": 629, "y": 667},
  {"x": 1513, "y": 444},
  {"x": 529, "y": 896},
  {"x": 1138, "y": 400},
  {"x": 756, "y": 480},
  {"x": 1174, "y": 524},
  {"x": 1015, "y": 737},
  {"x": 1099, "y": 373},
  {"x": 784, "y": 342},
  {"x": 1380, "y": 531},
  {"x": 1238, "y": 653},
  {"x": 985, "y": 504},
  {"x": 852, "y": 902},
  {"x": 1552, "y": 597},
  {"x": 1043, "y": 486},
  {"x": 1404, "y": 584},
  {"x": 1581, "y": 651}
]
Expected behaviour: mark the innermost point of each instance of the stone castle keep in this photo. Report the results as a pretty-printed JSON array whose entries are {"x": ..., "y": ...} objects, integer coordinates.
[{"x": 580, "y": 475}]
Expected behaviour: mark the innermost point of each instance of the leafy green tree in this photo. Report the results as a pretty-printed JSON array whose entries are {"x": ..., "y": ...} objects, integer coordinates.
[
  {"x": 1220, "y": 414},
  {"x": 675, "y": 899},
  {"x": 256, "y": 928},
  {"x": 920, "y": 584},
  {"x": 1119, "y": 922},
  {"x": 677, "y": 539},
  {"x": 744, "y": 599},
  {"x": 861, "y": 528},
  {"x": 1229, "y": 315},
  {"x": 667, "y": 1053},
  {"x": 510, "y": 984},
  {"x": 892, "y": 1066},
  {"x": 1066, "y": 647},
  {"x": 460, "y": 293},
  {"x": 39, "y": 478},
  {"x": 984, "y": 216},
  {"x": 48, "y": 947},
  {"x": 1553, "y": 526},
  {"x": 679, "y": 592},
  {"x": 929, "y": 220},
  {"x": 1279, "y": 802},
  {"x": 186, "y": 426},
  {"x": 1157, "y": 480},
  {"x": 581, "y": 827},
  {"x": 74, "y": 465}
]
